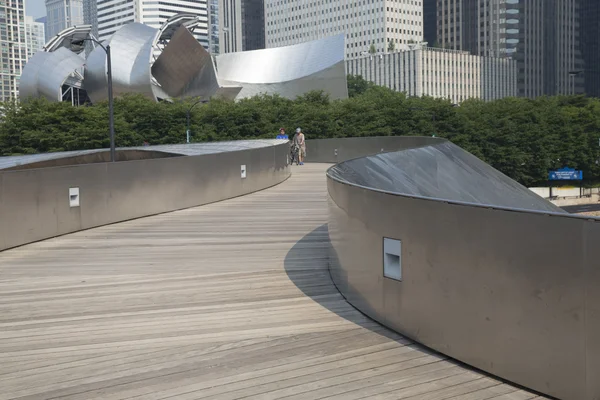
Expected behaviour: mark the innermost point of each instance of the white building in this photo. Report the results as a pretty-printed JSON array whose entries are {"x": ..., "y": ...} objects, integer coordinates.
[
  {"x": 107, "y": 16},
  {"x": 450, "y": 74},
  {"x": 62, "y": 14},
  {"x": 113, "y": 14},
  {"x": 35, "y": 36},
  {"x": 368, "y": 24},
  {"x": 13, "y": 43}
]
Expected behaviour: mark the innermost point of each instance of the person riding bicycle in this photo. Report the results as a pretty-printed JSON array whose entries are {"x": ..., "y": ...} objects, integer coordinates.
[{"x": 299, "y": 141}]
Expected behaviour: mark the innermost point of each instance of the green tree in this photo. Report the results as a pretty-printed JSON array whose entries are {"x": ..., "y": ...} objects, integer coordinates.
[
  {"x": 521, "y": 137},
  {"x": 372, "y": 49},
  {"x": 357, "y": 85},
  {"x": 391, "y": 46}
]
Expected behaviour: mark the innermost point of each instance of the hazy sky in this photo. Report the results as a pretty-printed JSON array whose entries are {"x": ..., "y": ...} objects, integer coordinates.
[{"x": 35, "y": 8}]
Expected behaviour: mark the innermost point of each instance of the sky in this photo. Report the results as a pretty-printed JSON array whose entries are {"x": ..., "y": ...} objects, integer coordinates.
[{"x": 35, "y": 8}]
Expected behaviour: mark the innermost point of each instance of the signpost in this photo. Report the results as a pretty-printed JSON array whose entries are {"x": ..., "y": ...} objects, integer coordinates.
[{"x": 566, "y": 174}]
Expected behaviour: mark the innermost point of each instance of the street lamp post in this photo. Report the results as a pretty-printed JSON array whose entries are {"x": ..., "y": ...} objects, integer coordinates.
[
  {"x": 572, "y": 75},
  {"x": 111, "y": 114},
  {"x": 111, "y": 117},
  {"x": 189, "y": 111}
]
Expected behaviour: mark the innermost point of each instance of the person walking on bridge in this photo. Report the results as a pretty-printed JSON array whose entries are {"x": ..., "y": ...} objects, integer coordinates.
[
  {"x": 300, "y": 141},
  {"x": 282, "y": 134}
]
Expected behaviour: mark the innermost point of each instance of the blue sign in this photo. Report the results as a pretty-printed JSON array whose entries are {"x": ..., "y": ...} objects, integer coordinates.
[{"x": 565, "y": 174}]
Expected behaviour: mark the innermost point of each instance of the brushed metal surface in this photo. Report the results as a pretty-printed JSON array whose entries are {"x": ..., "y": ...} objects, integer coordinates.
[
  {"x": 70, "y": 38},
  {"x": 34, "y": 203},
  {"x": 591, "y": 254},
  {"x": 182, "y": 60},
  {"x": 499, "y": 289},
  {"x": 183, "y": 68},
  {"x": 342, "y": 149},
  {"x": 288, "y": 71},
  {"x": 45, "y": 73},
  {"x": 133, "y": 153},
  {"x": 131, "y": 51},
  {"x": 441, "y": 171}
]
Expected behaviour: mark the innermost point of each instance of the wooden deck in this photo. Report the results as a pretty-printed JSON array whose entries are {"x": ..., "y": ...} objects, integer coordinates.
[{"x": 226, "y": 301}]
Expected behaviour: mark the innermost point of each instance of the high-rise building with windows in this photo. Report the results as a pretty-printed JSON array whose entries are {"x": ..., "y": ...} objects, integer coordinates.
[
  {"x": 541, "y": 35},
  {"x": 43, "y": 20},
  {"x": 590, "y": 46},
  {"x": 430, "y": 22},
  {"x": 90, "y": 15},
  {"x": 13, "y": 46},
  {"x": 450, "y": 74},
  {"x": 253, "y": 24},
  {"x": 371, "y": 26},
  {"x": 61, "y": 14},
  {"x": 155, "y": 13},
  {"x": 108, "y": 16},
  {"x": 481, "y": 27},
  {"x": 35, "y": 36},
  {"x": 242, "y": 25}
]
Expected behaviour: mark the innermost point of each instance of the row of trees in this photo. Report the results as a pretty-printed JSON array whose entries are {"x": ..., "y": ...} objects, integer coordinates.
[{"x": 523, "y": 138}]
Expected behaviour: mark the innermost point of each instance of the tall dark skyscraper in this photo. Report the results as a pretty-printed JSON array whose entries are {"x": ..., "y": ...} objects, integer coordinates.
[
  {"x": 430, "y": 22},
  {"x": 590, "y": 45},
  {"x": 242, "y": 25},
  {"x": 541, "y": 35},
  {"x": 253, "y": 24}
]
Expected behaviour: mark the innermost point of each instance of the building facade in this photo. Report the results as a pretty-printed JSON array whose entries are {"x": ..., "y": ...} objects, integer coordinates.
[
  {"x": 108, "y": 16},
  {"x": 549, "y": 50},
  {"x": 43, "y": 20},
  {"x": 590, "y": 45},
  {"x": 62, "y": 14},
  {"x": 242, "y": 25},
  {"x": 253, "y": 25},
  {"x": 111, "y": 15},
  {"x": 90, "y": 15},
  {"x": 13, "y": 43},
  {"x": 451, "y": 74},
  {"x": 371, "y": 26},
  {"x": 156, "y": 13},
  {"x": 35, "y": 35},
  {"x": 230, "y": 26},
  {"x": 541, "y": 35}
]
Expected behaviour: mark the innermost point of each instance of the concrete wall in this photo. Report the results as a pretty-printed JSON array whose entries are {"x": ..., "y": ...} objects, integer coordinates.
[
  {"x": 34, "y": 203},
  {"x": 512, "y": 293}
]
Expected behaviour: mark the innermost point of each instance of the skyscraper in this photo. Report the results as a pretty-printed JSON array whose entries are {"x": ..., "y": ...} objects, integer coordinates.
[
  {"x": 107, "y": 16},
  {"x": 242, "y": 24},
  {"x": 481, "y": 27},
  {"x": 43, "y": 20},
  {"x": 541, "y": 35},
  {"x": 253, "y": 24},
  {"x": 35, "y": 36},
  {"x": 369, "y": 25},
  {"x": 90, "y": 15},
  {"x": 13, "y": 43},
  {"x": 590, "y": 46},
  {"x": 61, "y": 14},
  {"x": 430, "y": 22}
]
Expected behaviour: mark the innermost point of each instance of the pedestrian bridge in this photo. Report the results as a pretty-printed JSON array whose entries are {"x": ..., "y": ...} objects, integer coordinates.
[{"x": 227, "y": 300}]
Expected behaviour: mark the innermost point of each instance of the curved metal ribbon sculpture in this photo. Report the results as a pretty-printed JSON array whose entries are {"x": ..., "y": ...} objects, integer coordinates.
[{"x": 170, "y": 63}]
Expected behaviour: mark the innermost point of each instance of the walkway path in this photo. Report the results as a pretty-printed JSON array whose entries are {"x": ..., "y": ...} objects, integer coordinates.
[{"x": 226, "y": 301}]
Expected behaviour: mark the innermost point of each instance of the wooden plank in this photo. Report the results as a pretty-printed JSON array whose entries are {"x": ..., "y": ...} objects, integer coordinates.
[{"x": 224, "y": 301}]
